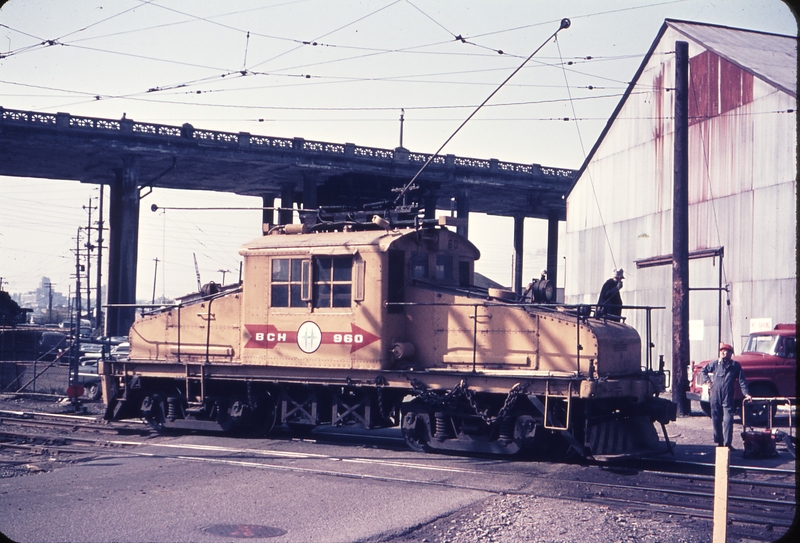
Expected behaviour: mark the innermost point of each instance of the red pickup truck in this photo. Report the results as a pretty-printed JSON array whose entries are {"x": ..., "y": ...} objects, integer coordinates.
[{"x": 769, "y": 361}]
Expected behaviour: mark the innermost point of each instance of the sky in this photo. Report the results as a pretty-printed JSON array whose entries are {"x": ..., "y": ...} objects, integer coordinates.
[{"x": 337, "y": 71}]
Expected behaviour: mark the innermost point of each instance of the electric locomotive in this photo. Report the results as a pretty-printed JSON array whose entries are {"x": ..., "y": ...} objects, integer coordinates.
[{"x": 381, "y": 325}]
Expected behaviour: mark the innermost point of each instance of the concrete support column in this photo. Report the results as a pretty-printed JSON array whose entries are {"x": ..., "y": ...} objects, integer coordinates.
[
  {"x": 309, "y": 198},
  {"x": 462, "y": 212},
  {"x": 552, "y": 250},
  {"x": 430, "y": 205},
  {"x": 267, "y": 215},
  {"x": 287, "y": 201},
  {"x": 123, "y": 246},
  {"x": 519, "y": 237}
]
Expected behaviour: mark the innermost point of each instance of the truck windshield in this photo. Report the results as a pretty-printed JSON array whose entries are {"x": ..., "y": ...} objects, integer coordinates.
[{"x": 761, "y": 344}]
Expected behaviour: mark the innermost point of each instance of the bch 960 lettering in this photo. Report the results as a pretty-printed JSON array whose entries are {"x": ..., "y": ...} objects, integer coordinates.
[{"x": 348, "y": 338}]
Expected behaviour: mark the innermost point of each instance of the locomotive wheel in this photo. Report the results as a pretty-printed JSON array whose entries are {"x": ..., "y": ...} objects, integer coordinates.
[
  {"x": 416, "y": 439},
  {"x": 264, "y": 418},
  {"x": 415, "y": 432},
  {"x": 152, "y": 411}
]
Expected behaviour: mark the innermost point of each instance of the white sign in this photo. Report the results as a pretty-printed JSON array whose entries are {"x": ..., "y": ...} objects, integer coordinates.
[{"x": 760, "y": 325}]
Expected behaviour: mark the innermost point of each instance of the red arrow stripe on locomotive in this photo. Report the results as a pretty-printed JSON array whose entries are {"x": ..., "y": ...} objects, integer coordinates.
[
  {"x": 356, "y": 333},
  {"x": 267, "y": 336}
]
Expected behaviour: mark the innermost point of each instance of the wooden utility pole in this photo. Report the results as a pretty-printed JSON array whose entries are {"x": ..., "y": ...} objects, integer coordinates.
[
  {"x": 49, "y": 303},
  {"x": 680, "y": 235},
  {"x": 155, "y": 276},
  {"x": 89, "y": 249},
  {"x": 99, "y": 321}
]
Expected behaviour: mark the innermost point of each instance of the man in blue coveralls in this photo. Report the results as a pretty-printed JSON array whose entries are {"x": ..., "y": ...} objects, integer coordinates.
[{"x": 722, "y": 375}]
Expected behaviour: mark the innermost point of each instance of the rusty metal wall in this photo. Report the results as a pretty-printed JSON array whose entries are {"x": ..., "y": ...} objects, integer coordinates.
[{"x": 743, "y": 194}]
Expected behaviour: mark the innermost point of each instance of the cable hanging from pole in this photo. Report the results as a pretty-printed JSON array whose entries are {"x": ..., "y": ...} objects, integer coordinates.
[{"x": 583, "y": 150}]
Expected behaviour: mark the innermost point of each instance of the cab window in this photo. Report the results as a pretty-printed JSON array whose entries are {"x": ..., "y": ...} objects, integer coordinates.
[
  {"x": 333, "y": 281},
  {"x": 419, "y": 266},
  {"x": 287, "y": 282},
  {"x": 444, "y": 268}
]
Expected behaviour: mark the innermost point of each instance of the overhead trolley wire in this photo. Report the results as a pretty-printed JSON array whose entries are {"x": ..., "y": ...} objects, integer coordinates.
[
  {"x": 236, "y": 74},
  {"x": 565, "y": 23},
  {"x": 585, "y": 15},
  {"x": 312, "y": 42},
  {"x": 58, "y": 41}
]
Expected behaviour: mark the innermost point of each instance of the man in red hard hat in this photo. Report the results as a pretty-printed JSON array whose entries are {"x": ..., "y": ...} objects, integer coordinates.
[{"x": 722, "y": 375}]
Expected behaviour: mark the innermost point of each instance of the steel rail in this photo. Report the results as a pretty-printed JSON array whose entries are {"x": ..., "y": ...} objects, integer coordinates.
[
  {"x": 58, "y": 424},
  {"x": 695, "y": 512}
]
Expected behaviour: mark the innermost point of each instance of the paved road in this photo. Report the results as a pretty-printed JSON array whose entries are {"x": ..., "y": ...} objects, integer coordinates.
[{"x": 194, "y": 488}]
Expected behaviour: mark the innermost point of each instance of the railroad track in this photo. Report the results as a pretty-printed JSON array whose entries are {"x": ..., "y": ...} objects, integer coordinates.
[
  {"x": 766, "y": 503},
  {"x": 57, "y": 436},
  {"x": 69, "y": 422},
  {"x": 760, "y": 498}
]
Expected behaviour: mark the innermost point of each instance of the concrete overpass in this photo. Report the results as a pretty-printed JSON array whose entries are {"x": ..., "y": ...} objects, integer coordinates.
[{"x": 131, "y": 157}]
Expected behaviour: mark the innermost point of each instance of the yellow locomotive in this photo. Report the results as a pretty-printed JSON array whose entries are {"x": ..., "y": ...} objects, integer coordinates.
[{"x": 380, "y": 326}]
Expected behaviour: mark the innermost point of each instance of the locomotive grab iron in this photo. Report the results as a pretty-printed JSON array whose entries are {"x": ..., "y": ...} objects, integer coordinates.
[{"x": 379, "y": 324}]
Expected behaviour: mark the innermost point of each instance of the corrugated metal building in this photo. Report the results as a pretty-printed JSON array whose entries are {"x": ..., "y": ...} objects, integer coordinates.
[{"x": 742, "y": 189}]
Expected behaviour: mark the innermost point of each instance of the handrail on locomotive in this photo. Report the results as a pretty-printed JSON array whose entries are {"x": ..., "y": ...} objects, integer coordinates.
[{"x": 581, "y": 312}]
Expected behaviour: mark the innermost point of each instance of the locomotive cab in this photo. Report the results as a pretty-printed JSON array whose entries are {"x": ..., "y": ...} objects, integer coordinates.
[{"x": 336, "y": 300}]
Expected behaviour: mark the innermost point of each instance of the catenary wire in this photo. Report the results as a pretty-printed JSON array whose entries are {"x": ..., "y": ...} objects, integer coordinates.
[
  {"x": 564, "y": 24},
  {"x": 583, "y": 151}
]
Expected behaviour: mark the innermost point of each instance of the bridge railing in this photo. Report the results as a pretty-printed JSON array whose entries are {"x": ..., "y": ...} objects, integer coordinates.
[{"x": 245, "y": 140}]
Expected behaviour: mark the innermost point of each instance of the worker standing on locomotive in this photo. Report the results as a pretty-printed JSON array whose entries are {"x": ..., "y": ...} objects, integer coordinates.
[
  {"x": 609, "y": 303},
  {"x": 721, "y": 374}
]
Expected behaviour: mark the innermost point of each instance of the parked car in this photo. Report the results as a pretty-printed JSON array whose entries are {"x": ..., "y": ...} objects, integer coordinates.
[
  {"x": 113, "y": 340},
  {"x": 50, "y": 344},
  {"x": 85, "y": 329},
  {"x": 90, "y": 349},
  {"x": 80, "y": 351},
  {"x": 88, "y": 377},
  {"x": 121, "y": 351},
  {"x": 769, "y": 361}
]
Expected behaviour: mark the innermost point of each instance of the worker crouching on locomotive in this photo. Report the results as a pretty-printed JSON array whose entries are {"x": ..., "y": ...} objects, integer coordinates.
[
  {"x": 722, "y": 374},
  {"x": 609, "y": 303}
]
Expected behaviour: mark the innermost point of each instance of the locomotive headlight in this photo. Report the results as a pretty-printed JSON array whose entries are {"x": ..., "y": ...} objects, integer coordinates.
[
  {"x": 381, "y": 222},
  {"x": 403, "y": 350}
]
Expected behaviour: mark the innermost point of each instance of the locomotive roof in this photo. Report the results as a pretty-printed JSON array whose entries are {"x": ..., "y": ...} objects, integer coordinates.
[{"x": 380, "y": 239}]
